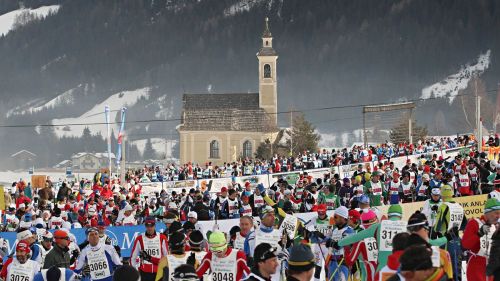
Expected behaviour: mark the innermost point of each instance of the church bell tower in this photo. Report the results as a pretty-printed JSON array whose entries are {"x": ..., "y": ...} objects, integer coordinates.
[{"x": 268, "y": 81}]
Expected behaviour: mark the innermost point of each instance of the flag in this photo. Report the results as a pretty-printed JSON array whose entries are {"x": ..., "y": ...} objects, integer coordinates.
[
  {"x": 121, "y": 133},
  {"x": 106, "y": 115}
]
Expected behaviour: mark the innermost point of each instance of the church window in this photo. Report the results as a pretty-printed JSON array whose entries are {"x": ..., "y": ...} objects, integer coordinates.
[
  {"x": 267, "y": 71},
  {"x": 247, "y": 149},
  {"x": 214, "y": 149},
  {"x": 267, "y": 43}
]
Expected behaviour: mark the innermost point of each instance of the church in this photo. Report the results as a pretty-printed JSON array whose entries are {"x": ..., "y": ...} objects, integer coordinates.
[{"x": 222, "y": 128}]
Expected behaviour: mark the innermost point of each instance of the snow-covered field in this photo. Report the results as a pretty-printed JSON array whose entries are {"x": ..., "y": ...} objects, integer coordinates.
[
  {"x": 456, "y": 82},
  {"x": 8, "y": 20},
  {"x": 96, "y": 114},
  {"x": 242, "y": 6}
]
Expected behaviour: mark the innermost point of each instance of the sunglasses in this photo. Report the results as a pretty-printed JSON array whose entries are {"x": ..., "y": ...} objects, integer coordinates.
[{"x": 269, "y": 253}]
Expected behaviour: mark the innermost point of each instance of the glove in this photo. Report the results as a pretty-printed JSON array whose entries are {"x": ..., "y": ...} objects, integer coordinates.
[
  {"x": 434, "y": 208},
  {"x": 86, "y": 270},
  {"x": 319, "y": 235},
  {"x": 145, "y": 256},
  {"x": 436, "y": 235},
  {"x": 261, "y": 188},
  {"x": 74, "y": 256},
  {"x": 449, "y": 236},
  {"x": 332, "y": 244},
  {"x": 483, "y": 230},
  {"x": 191, "y": 260}
]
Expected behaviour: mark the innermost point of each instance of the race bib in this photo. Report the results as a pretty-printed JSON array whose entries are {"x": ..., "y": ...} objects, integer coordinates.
[
  {"x": 224, "y": 269},
  {"x": 152, "y": 247},
  {"x": 289, "y": 224},
  {"x": 98, "y": 264},
  {"x": 272, "y": 238},
  {"x": 371, "y": 249},
  {"x": 456, "y": 215},
  {"x": 485, "y": 243},
  {"x": 21, "y": 272},
  {"x": 389, "y": 229},
  {"x": 436, "y": 257},
  {"x": 239, "y": 242}
]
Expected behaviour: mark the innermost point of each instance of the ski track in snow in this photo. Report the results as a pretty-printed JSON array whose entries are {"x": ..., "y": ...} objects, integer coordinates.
[
  {"x": 66, "y": 98},
  {"x": 96, "y": 114},
  {"x": 7, "y": 20},
  {"x": 454, "y": 83}
]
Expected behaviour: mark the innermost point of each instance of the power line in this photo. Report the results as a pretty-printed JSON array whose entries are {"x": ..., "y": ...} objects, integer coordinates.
[{"x": 179, "y": 119}]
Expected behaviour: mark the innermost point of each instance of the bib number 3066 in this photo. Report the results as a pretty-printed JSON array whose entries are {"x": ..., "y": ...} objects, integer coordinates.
[{"x": 222, "y": 276}]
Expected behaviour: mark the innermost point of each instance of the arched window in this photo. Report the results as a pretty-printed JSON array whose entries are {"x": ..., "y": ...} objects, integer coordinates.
[
  {"x": 214, "y": 149},
  {"x": 267, "y": 71},
  {"x": 247, "y": 149}
]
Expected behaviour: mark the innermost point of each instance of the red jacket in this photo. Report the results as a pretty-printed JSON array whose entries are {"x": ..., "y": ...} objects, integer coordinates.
[
  {"x": 138, "y": 247},
  {"x": 241, "y": 264},
  {"x": 22, "y": 200}
]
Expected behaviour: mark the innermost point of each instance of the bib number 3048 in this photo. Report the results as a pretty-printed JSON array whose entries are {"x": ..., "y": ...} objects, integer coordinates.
[{"x": 222, "y": 276}]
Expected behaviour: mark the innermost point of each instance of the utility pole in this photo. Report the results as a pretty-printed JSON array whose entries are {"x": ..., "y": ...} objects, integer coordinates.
[
  {"x": 479, "y": 137},
  {"x": 123, "y": 160},
  {"x": 291, "y": 131}
]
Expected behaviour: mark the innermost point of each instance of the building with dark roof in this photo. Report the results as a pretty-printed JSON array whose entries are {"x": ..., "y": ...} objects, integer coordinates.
[{"x": 226, "y": 127}]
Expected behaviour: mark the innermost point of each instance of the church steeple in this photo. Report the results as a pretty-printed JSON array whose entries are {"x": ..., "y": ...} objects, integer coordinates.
[
  {"x": 267, "y": 37},
  {"x": 268, "y": 82}
]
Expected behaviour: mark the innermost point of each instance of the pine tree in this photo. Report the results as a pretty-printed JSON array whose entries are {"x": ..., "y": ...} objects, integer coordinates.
[
  {"x": 304, "y": 135},
  {"x": 149, "y": 152}
]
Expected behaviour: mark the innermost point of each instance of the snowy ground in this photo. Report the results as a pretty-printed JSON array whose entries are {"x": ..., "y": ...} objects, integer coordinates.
[
  {"x": 456, "y": 82},
  {"x": 8, "y": 20},
  {"x": 64, "y": 99},
  {"x": 96, "y": 114}
]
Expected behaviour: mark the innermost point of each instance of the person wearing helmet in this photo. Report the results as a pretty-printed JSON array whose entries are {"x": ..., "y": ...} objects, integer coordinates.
[
  {"x": 98, "y": 260},
  {"x": 224, "y": 262},
  {"x": 477, "y": 239},
  {"x": 20, "y": 266},
  {"x": 431, "y": 206},
  {"x": 450, "y": 219}
]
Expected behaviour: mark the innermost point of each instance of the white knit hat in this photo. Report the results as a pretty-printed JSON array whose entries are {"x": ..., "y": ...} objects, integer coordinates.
[{"x": 342, "y": 211}]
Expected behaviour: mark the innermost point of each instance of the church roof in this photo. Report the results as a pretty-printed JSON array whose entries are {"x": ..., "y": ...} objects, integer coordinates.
[
  {"x": 266, "y": 51},
  {"x": 267, "y": 31},
  {"x": 224, "y": 112},
  {"x": 221, "y": 101}
]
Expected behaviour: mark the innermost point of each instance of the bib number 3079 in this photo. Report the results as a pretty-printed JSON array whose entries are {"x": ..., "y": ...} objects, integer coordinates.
[{"x": 222, "y": 276}]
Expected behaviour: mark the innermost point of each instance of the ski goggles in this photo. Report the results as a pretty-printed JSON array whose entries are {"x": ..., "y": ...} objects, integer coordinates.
[{"x": 218, "y": 248}]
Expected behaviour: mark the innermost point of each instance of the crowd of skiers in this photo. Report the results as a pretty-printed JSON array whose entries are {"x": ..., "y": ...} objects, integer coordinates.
[{"x": 348, "y": 237}]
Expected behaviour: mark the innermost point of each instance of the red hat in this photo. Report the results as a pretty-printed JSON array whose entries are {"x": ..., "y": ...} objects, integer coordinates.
[
  {"x": 60, "y": 234},
  {"x": 321, "y": 208},
  {"x": 247, "y": 183},
  {"x": 427, "y": 169},
  {"x": 243, "y": 197},
  {"x": 463, "y": 166},
  {"x": 23, "y": 246},
  {"x": 408, "y": 160},
  {"x": 354, "y": 215},
  {"x": 438, "y": 172},
  {"x": 223, "y": 189},
  {"x": 441, "y": 158}
]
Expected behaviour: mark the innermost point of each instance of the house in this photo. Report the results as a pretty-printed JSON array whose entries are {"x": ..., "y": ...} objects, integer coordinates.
[
  {"x": 92, "y": 161},
  {"x": 23, "y": 159}
]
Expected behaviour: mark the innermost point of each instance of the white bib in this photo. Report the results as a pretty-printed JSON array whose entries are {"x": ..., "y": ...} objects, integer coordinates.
[
  {"x": 289, "y": 224},
  {"x": 21, "y": 272},
  {"x": 174, "y": 262},
  {"x": 485, "y": 241},
  {"x": 371, "y": 249},
  {"x": 239, "y": 242},
  {"x": 152, "y": 246},
  {"x": 456, "y": 215},
  {"x": 224, "y": 269},
  {"x": 376, "y": 188},
  {"x": 272, "y": 238},
  {"x": 389, "y": 229},
  {"x": 99, "y": 267}
]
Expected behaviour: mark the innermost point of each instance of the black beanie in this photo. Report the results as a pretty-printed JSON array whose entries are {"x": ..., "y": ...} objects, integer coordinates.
[
  {"x": 123, "y": 273},
  {"x": 195, "y": 238},
  {"x": 53, "y": 273}
]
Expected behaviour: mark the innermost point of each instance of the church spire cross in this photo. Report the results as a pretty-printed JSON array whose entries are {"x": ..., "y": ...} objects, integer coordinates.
[{"x": 267, "y": 32}]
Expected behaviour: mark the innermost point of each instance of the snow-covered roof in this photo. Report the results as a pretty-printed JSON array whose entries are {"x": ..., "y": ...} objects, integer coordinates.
[
  {"x": 98, "y": 155},
  {"x": 23, "y": 151}
]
